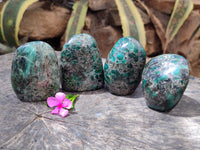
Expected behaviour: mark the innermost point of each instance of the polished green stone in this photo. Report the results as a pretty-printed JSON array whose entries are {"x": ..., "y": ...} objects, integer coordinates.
[
  {"x": 164, "y": 81},
  {"x": 35, "y": 73},
  {"x": 81, "y": 64},
  {"x": 124, "y": 65}
]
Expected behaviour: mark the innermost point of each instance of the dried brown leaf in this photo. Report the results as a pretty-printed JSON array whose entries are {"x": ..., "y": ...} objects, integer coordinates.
[{"x": 157, "y": 24}]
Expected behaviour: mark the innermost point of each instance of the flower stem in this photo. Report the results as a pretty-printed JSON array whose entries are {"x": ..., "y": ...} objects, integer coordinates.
[{"x": 72, "y": 98}]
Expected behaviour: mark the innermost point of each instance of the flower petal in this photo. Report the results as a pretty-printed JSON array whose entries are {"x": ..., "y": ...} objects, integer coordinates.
[
  {"x": 63, "y": 112},
  {"x": 51, "y": 101},
  {"x": 67, "y": 103},
  {"x": 60, "y": 96},
  {"x": 55, "y": 111}
]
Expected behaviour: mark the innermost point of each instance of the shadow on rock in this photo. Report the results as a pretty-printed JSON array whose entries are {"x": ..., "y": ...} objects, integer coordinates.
[
  {"x": 137, "y": 93},
  {"x": 187, "y": 107}
]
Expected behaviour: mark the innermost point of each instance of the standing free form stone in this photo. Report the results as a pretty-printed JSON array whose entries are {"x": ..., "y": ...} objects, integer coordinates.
[
  {"x": 81, "y": 64},
  {"x": 164, "y": 79},
  {"x": 124, "y": 65},
  {"x": 35, "y": 73}
]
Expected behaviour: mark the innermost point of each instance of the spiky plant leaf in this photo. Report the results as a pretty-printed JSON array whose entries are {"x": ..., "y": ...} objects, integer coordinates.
[
  {"x": 180, "y": 13},
  {"x": 2, "y": 37},
  {"x": 77, "y": 19},
  {"x": 131, "y": 20},
  {"x": 194, "y": 33},
  {"x": 11, "y": 16}
]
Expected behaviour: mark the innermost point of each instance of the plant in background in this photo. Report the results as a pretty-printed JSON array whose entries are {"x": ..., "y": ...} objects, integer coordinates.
[
  {"x": 10, "y": 18},
  {"x": 132, "y": 24},
  {"x": 131, "y": 21},
  {"x": 77, "y": 19},
  {"x": 180, "y": 13}
]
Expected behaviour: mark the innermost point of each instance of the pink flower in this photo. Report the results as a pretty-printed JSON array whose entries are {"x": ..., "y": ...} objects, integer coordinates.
[{"x": 61, "y": 103}]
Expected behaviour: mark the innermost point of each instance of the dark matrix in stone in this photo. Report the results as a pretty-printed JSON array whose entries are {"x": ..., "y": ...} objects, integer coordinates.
[
  {"x": 35, "y": 72},
  {"x": 124, "y": 65},
  {"x": 164, "y": 81},
  {"x": 81, "y": 64}
]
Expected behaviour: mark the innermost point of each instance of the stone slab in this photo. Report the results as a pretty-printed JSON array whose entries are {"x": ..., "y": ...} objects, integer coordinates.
[{"x": 99, "y": 121}]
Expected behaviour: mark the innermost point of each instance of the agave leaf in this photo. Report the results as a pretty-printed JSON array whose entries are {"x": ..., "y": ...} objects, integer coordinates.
[
  {"x": 194, "y": 33},
  {"x": 131, "y": 20},
  {"x": 77, "y": 19},
  {"x": 180, "y": 13},
  {"x": 2, "y": 37},
  {"x": 11, "y": 16}
]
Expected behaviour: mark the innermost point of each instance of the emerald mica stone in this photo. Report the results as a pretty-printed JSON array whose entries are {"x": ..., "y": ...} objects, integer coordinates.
[
  {"x": 164, "y": 81},
  {"x": 35, "y": 73},
  {"x": 124, "y": 65},
  {"x": 81, "y": 64}
]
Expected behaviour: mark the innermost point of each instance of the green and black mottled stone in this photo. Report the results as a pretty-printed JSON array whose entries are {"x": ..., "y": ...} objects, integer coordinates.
[
  {"x": 124, "y": 65},
  {"x": 35, "y": 73},
  {"x": 81, "y": 64},
  {"x": 164, "y": 81}
]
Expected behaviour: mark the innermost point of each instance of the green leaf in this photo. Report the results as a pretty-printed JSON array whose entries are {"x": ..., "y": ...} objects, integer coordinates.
[
  {"x": 46, "y": 104},
  {"x": 131, "y": 21},
  {"x": 72, "y": 98},
  {"x": 194, "y": 33},
  {"x": 11, "y": 16},
  {"x": 1, "y": 35},
  {"x": 77, "y": 19},
  {"x": 180, "y": 13}
]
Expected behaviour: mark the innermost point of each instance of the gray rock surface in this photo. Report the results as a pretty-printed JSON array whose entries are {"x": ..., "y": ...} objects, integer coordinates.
[{"x": 99, "y": 121}]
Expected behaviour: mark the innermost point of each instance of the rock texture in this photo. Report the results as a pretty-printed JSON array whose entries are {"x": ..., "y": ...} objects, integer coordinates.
[
  {"x": 164, "y": 80},
  {"x": 124, "y": 65},
  {"x": 105, "y": 44},
  {"x": 35, "y": 73},
  {"x": 42, "y": 20},
  {"x": 81, "y": 64},
  {"x": 99, "y": 121},
  {"x": 97, "y": 5}
]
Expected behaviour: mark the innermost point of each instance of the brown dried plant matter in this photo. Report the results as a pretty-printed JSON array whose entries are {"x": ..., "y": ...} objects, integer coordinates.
[{"x": 103, "y": 22}]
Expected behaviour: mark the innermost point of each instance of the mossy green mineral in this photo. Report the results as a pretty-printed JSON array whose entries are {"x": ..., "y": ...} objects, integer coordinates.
[
  {"x": 35, "y": 73},
  {"x": 164, "y": 81},
  {"x": 124, "y": 65},
  {"x": 81, "y": 64}
]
